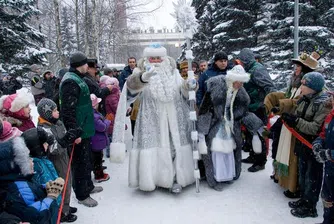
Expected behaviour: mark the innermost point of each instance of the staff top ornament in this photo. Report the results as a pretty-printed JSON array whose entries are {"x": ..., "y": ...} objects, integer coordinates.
[{"x": 185, "y": 16}]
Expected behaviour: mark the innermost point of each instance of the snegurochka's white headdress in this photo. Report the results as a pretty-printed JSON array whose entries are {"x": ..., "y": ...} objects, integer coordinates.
[{"x": 155, "y": 50}]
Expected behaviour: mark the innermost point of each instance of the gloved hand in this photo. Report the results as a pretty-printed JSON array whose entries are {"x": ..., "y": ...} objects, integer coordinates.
[
  {"x": 202, "y": 147},
  {"x": 316, "y": 147},
  {"x": 54, "y": 188},
  {"x": 290, "y": 119},
  {"x": 70, "y": 136},
  {"x": 275, "y": 110},
  {"x": 148, "y": 74},
  {"x": 322, "y": 155},
  {"x": 44, "y": 137}
]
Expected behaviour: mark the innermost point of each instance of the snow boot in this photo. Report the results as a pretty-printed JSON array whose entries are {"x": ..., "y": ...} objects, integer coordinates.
[
  {"x": 256, "y": 168},
  {"x": 97, "y": 189},
  {"x": 68, "y": 218},
  {"x": 218, "y": 187},
  {"x": 249, "y": 160},
  {"x": 274, "y": 179},
  {"x": 292, "y": 195},
  {"x": 304, "y": 212},
  {"x": 73, "y": 210},
  {"x": 176, "y": 188},
  {"x": 104, "y": 177},
  {"x": 297, "y": 204},
  {"x": 89, "y": 202}
]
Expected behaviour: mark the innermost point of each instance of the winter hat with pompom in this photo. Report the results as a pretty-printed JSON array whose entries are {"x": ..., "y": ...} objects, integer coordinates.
[
  {"x": 314, "y": 80},
  {"x": 14, "y": 103},
  {"x": 45, "y": 108}
]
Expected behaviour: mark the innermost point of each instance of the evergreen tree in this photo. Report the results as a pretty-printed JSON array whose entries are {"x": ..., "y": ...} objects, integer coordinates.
[
  {"x": 203, "y": 40},
  {"x": 19, "y": 42},
  {"x": 66, "y": 27}
]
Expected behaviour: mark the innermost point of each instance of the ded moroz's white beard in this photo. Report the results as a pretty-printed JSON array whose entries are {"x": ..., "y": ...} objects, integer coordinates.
[{"x": 162, "y": 85}]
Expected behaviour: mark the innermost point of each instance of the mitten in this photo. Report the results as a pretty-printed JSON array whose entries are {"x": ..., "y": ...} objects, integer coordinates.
[
  {"x": 202, "y": 147},
  {"x": 290, "y": 119},
  {"x": 148, "y": 74},
  {"x": 54, "y": 188},
  {"x": 323, "y": 155},
  {"x": 44, "y": 137},
  {"x": 316, "y": 147},
  {"x": 70, "y": 136}
]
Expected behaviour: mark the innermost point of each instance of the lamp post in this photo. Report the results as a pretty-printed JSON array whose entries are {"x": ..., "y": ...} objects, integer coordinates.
[{"x": 296, "y": 30}]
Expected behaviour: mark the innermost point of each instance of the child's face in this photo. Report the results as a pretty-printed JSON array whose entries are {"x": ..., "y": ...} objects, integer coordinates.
[
  {"x": 55, "y": 113},
  {"x": 27, "y": 111}
]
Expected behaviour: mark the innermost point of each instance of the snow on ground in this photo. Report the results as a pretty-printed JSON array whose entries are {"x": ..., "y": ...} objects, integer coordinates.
[{"x": 253, "y": 199}]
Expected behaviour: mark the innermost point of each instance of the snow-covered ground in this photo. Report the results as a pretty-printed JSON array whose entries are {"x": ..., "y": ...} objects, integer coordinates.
[{"x": 253, "y": 199}]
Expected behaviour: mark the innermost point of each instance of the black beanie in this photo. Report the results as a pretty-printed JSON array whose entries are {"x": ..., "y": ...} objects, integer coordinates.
[
  {"x": 62, "y": 72},
  {"x": 78, "y": 59},
  {"x": 220, "y": 56}
]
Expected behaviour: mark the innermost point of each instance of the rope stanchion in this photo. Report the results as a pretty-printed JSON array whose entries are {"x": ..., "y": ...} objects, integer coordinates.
[
  {"x": 298, "y": 136},
  {"x": 65, "y": 185}
]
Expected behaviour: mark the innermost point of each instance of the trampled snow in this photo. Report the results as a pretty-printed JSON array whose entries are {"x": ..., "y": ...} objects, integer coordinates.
[{"x": 253, "y": 199}]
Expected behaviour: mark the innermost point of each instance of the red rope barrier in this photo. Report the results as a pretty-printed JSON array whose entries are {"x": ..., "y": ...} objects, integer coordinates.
[
  {"x": 65, "y": 186},
  {"x": 298, "y": 136}
]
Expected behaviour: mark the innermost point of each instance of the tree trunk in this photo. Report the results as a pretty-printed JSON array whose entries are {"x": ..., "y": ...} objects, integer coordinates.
[
  {"x": 77, "y": 24},
  {"x": 86, "y": 28},
  {"x": 95, "y": 41},
  {"x": 61, "y": 56}
]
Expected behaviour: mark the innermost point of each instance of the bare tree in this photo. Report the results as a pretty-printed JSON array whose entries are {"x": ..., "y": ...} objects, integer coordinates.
[{"x": 61, "y": 56}]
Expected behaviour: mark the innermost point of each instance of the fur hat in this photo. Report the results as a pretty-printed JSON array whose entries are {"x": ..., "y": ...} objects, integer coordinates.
[
  {"x": 237, "y": 73},
  {"x": 183, "y": 65},
  {"x": 14, "y": 158},
  {"x": 95, "y": 100},
  {"x": 45, "y": 108},
  {"x": 310, "y": 61},
  {"x": 78, "y": 59},
  {"x": 14, "y": 103},
  {"x": 9, "y": 132},
  {"x": 46, "y": 72},
  {"x": 314, "y": 80},
  {"x": 155, "y": 50}
]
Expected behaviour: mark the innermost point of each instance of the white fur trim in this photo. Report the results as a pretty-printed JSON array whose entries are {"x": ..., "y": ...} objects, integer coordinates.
[
  {"x": 155, "y": 52},
  {"x": 192, "y": 95},
  {"x": 256, "y": 144},
  {"x": 222, "y": 145},
  {"x": 202, "y": 148},
  {"x": 195, "y": 155},
  {"x": 194, "y": 135},
  {"x": 197, "y": 174},
  {"x": 151, "y": 168},
  {"x": 193, "y": 116},
  {"x": 2, "y": 99},
  {"x": 21, "y": 156},
  {"x": 20, "y": 101},
  {"x": 237, "y": 73},
  {"x": 117, "y": 152}
]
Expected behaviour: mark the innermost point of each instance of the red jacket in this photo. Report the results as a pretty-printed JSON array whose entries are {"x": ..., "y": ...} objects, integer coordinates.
[{"x": 111, "y": 103}]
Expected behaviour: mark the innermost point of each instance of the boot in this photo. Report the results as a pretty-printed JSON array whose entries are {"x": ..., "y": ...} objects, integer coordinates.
[
  {"x": 304, "y": 211},
  {"x": 89, "y": 202},
  {"x": 104, "y": 177},
  {"x": 297, "y": 204},
  {"x": 249, "y": 160},
  {"x": 256, "y": 168},
  {"x": 218, "y": 187},
  {"x": 97, "y": 189},
  {"x": 176, "y": 188},
  {"x": 73, "y": 210},
  {"x": 292, "y": 195},
  {"x": 68, "y": 218}
]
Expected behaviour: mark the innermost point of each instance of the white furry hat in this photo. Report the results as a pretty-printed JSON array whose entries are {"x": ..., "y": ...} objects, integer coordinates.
[
  {"x": 155, "y": 50},
  {"x": 237, "y": 73},
  {"x": 14, "y": 102}
]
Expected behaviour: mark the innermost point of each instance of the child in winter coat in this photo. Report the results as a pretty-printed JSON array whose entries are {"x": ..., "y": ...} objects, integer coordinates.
[
  {"x": 58, "y": 154},
  {"x": 30, "y": 202},
  {"x": 111, "y": 102},
  {"x": 99, "y": 140},
  {"x": 323, "y": 149},
  {"x": 17, "y": 106},
  {"x": 309, "y": 114}
]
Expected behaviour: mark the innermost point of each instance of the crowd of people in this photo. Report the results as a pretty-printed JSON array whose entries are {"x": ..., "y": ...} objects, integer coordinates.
[{"x": 83, "y": 112}]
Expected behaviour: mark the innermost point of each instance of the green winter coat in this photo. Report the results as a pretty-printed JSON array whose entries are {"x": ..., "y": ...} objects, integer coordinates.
[{"x": 84, "y": 110}]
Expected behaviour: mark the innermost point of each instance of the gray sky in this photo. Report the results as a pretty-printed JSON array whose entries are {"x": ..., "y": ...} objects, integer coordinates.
[{"x": 161, "y": 17}]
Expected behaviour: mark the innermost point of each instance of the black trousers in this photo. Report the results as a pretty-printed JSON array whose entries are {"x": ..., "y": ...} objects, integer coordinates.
[
  {"x": 97, "y": 164},
  {"x": 81, "y": 170}
]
